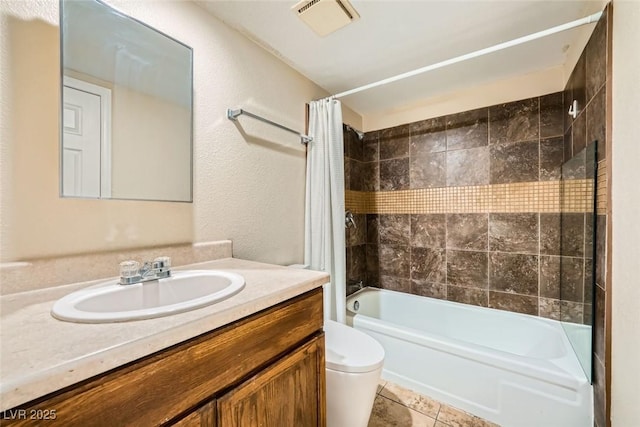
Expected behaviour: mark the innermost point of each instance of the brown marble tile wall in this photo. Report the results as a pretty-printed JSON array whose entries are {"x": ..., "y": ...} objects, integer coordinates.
[
  {"x": 355, "y": 154},
  {"x": 589, "y": 84},
  {"x": 488, "y": 259},
  {"x": 575, "y": 245},
  {"x": 531, "y": 262}
]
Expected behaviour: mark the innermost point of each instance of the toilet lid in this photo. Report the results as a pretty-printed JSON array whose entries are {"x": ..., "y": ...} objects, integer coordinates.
[{"x": 350, "y": 350}]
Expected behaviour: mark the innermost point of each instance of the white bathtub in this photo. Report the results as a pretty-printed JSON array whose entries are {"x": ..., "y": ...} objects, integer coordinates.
[{"x": 512, "y": 369}]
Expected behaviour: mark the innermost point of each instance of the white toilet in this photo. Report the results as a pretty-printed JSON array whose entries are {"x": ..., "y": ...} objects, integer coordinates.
[
  {"x": 353, "y": 366},
  {"x": 353, "y": 362}
]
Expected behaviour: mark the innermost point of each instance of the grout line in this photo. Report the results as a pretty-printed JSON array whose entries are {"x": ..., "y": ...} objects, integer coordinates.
[
  {"x": 539, "y": 261},
  {"x": 446, "y": 253},
  {"x": 488, "y": 258},
  {"x": 415, "y": 394},
  {"x": 439, "y": 409},
  {"x": 440, "y": 406},
  {"x": 382, "y": 388},
  {"x": 538, "y": 216}
]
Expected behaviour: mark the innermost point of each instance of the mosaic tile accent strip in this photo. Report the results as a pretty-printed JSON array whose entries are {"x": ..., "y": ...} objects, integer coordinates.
[
  {"x": 577, "y": 195},
  {"x": 540, "y": 196}
]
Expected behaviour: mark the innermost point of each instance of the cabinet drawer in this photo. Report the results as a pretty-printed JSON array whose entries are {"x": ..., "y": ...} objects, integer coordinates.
[{"x": 162, "y": 386}]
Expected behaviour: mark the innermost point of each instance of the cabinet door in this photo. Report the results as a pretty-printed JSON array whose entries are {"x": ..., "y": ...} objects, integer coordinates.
[
  {"x": 205, "y": 416},
  {"x": 291, "y": 392}
]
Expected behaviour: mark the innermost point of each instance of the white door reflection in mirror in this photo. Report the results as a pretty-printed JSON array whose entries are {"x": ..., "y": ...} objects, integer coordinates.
[{"x": 86, "y": 152}]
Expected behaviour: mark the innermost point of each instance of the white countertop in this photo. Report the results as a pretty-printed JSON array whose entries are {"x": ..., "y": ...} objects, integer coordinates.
[{"x": 40, "y": 354}]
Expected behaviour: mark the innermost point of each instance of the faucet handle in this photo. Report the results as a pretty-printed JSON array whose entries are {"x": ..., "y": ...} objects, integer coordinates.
[
  {"x": 349, "y": 221},
  {"x": 129, "y": 269},
  {"x": 162, "y": 262},
  {"x": 162, "y": 266}
]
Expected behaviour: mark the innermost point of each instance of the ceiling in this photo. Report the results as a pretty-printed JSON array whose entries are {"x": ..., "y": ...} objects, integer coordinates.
[{"x": 397, "y": 36}]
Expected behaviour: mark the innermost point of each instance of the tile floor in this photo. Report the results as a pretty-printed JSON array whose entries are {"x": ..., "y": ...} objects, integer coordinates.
[{"x": 400, "y": 407}]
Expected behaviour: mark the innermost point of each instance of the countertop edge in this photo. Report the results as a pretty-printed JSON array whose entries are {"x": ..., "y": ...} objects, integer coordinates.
[{"x": 28, "y": 388}]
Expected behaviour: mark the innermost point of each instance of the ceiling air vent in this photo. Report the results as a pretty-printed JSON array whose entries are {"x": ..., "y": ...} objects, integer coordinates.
[{"x": 325, "y": 16}]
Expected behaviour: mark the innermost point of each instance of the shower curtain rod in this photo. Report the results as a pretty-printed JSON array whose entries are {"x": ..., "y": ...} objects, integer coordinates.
[{"x": 520, "y": 40}]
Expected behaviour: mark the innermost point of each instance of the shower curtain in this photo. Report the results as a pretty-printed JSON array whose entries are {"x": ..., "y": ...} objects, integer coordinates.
[{"x": 324, "y": 207}]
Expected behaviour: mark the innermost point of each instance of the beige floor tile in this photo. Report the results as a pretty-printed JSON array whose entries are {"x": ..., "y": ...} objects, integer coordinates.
[
  {"x": 411, "y": 399},
  {"x": 381, "y": 385},
  {"x": 457, "y": 418},
  {"x": 441, "y": 424},
  {"x": 387, "y": 413}
]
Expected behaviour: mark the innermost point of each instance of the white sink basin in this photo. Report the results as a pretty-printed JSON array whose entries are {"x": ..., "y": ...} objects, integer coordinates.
[{"x": 112, "y": 302}]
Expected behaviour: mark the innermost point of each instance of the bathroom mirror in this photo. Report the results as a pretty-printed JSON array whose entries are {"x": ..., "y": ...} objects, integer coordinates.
[{"x": 126, "y": 116}]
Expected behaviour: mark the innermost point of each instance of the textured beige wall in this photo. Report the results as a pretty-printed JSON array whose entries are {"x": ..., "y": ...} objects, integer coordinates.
[
  {"x": 625, "y": 314},
  {"x": 507, "y": 90},
  {"x": 249, "y": 180}
]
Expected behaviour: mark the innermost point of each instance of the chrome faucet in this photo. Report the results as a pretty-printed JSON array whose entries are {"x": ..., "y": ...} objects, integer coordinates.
[
  {"x": 354, "y": 286},
  {"x": 349, "y": 221},
  {"x": 131, "y": 272}
]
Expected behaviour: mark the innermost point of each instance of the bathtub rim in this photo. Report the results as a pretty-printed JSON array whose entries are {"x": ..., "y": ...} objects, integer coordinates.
[{"x": 549, "y": 370}]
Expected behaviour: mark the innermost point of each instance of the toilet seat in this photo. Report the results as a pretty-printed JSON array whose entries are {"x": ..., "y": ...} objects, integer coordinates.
[{"x": 350, "y": 350}]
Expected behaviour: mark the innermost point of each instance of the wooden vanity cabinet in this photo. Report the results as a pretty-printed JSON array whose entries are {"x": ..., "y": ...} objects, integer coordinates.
[
  {"x": 287, "y": 393},
  {"x": 264, "y": 370},
  {"x": 201, "y": 417}
]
